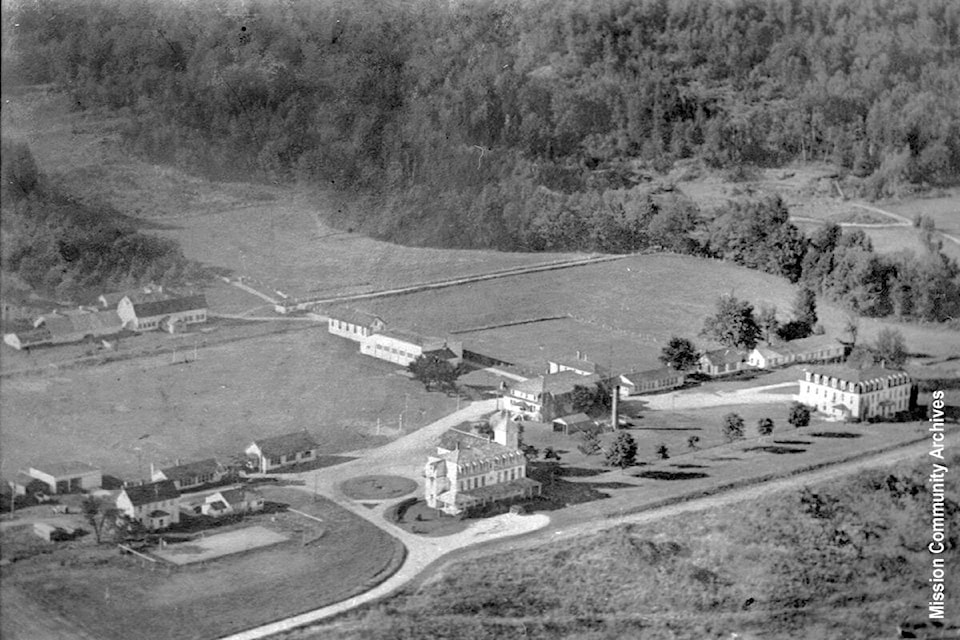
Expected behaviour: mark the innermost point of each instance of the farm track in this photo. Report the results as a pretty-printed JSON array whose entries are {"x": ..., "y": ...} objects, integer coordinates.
[{"x": 442, "y": 284}]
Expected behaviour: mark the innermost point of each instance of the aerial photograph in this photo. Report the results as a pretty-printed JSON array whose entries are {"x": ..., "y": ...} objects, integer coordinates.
[{"x": 480, "y": 320}]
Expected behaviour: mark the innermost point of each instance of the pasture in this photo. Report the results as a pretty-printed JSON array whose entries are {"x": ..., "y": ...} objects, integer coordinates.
[
  {"x": 125, "y": 415},
  {"x": 116, "y": 597},
  {"x": 625, "y": 309}
]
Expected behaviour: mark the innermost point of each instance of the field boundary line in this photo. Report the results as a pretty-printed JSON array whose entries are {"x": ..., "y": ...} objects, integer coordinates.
[
  {"x": 513, "y": 323},
  {"x": 305, "y": 515}
]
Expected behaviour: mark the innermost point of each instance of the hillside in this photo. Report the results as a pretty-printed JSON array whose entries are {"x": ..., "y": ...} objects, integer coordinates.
[{"x": 841, "y": 560}]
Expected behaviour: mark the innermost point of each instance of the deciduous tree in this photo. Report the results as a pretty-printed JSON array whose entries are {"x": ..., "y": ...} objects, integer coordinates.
[
  {"x": 799, "y": 415},
  {"x": 732, "y": 427},
  {"x": 679, "y": 353}
]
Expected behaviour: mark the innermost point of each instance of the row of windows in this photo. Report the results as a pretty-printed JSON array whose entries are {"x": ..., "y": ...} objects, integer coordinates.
[
  {"x": 349, "y": 328},
  {"x": 393, "y": 350},
  {"x": 481, "y": 481}
]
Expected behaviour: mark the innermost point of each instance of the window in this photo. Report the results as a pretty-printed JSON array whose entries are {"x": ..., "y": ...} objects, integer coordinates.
[
  {"x": 275, "y": 461},
  {"x": 307, "y": 454}
]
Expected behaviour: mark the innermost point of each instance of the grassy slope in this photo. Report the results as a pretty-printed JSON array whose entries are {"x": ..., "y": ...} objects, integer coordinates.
[
  {"x": 766, "y": 570},
  {"x": 213, "y": 406}
]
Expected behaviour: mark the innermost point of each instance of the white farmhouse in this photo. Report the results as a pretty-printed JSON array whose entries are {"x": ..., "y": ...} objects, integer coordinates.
[{"x": 155, "y": 505}]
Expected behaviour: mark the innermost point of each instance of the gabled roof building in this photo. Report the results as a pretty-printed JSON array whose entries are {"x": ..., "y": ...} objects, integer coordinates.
[
  {"x": 156, "y": 505},
  {"x": 279, "y": 451}
]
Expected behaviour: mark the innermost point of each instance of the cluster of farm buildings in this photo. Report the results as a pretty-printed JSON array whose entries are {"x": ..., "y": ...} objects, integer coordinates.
[
  {"x": 468, "y": 469},
  {"x": 174, "y": 490},
  {"x": 150, "y": 308}
]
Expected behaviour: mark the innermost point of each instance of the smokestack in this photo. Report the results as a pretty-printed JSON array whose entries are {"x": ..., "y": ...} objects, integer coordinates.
[
  {"x": 615, "y": 409},
  {"x": 579, "y": 356}
]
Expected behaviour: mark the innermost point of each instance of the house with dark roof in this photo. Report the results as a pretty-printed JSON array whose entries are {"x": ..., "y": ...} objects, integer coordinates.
[
  {"x": 858, "y": 394},
  {"x": 722, "y": 362},
  {"x": 279, "y": 451},
  {"x": 573, "y": 423},
  {"x": 20, "y": 340},
  {"x": 169, "y": 314},
  {"x": 231, "y": 501},
  {"x": 354, "y": 325},
  {"x": 470, "y": 470},
  {"x": 811, "y": 349},
  {"x": 546, "y": 397},
  {"x": 191, "y": 474},
  {"x": 155, "y": 505},
  {"x": 143, "y": 294},
  {"x": 650, "y": 381}
]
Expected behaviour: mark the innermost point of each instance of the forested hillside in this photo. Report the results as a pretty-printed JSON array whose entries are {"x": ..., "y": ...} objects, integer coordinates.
[
  {"x": 71, "y": 250},
  {"x": 533, "y": 125}
]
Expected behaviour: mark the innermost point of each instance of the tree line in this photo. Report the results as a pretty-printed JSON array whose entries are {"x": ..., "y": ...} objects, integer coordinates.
[{"x": 535, "y": 126}]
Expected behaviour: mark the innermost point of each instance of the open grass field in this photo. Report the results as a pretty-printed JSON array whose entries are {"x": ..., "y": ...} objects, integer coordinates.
[
  {"x": 127, "y": 414},
  {"x": 273, "y": 236},
  {"x": 114, "y": 597},
  {"x": 630, "y": 307},
  {"x": 219, "y": 545},
  {"x": 945, "y": 211}
]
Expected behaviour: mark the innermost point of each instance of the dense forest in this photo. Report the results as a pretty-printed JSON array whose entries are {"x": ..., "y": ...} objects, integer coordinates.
[
  {"x": 71, "y": 250},
  {"x": 538, "y": 125}
]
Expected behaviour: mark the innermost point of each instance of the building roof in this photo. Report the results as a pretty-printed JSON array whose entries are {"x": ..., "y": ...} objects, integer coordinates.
[
  {"x": 149, "y": 493},
  {"x": 769, "y": 352},
  {"x": 192, "y": 469},
  {"x": 353, "y": 316},
  {"x": 151, "y": 309},
  {"x": 144, "y": 294},
  {"x": 460, "y": 447},
  {"x": 724, "y": 356},
  {"x": 850, "y": 374},
  {"x": 33, "y": 336},
  {"x": 403, "y": 335},
  {"x": 70, "y": 322},
  {"x": 72, "y": 468},
  {"x": 158, "y": 513},
  {"x": 580, "y": 365},
  {"x": 812, "y": 343},
  {"x": 286, "y": 444},
  {"x": 501, "y": 489},
  {"x": 556, "y": 383},
  {"x": 575, "y": 419},
  {"x": 442, "y": 354},
  {"x": 649, "y": 375}
]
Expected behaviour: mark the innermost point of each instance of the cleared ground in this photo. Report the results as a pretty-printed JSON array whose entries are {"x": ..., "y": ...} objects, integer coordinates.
[
  {"x": 125, "y": 415},
  {"x": 115, "y": 597},
  {"x": 219, "y": 545}
]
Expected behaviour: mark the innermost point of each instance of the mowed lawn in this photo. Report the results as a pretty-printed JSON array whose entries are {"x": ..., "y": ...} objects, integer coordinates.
[
  {"x": 114, "y": 597},
  {"x": 125, "y": 415},
  {"x": 636, "y": 303}
]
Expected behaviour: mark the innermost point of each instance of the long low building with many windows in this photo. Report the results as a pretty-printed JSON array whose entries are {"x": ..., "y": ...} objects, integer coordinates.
[{"x": 858, "y": 394}]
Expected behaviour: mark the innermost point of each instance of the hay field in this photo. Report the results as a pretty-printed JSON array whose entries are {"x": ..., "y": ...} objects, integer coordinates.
[
  {"x": 630, "y": 306},
  {"x": 125, "y": 415}
]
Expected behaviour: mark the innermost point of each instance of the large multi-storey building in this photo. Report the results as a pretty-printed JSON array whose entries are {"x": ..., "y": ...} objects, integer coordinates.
[
  {"x": 858, "y": 394},
  {"x": 470, "y": 469}
]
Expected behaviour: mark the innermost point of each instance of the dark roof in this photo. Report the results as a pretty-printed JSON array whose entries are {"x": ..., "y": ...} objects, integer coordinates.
[
  {"x": 442, "y": 354},
  {"x": 153, "y": 492},
  {"x": 574, "y": 419},
  {"x": 155, "y": 308},
  {"x": 724, "y": 356},
  {"x": 136, "y": 295},
  {"x": 353, "y": 316},
  {"x": 192, "y": 469},
  {"x": 452, "y": 438},
  {"x": 34, "y": 336},
  {"x": 287, "y": 443},
  {"x": 158, "y": 513},
  {"x": 93, "y": 322},
  {"x": 404, "y": 335},
  {"x": 72, "y": 468},
  {"x": 850, "y": 374}
]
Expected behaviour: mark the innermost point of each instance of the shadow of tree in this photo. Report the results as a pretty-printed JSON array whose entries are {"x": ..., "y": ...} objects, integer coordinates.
[
  {"x": 776, "y": 450},
  {"x": 689, "y": 466},
  {"x": 835, "y": 434},
  {"x": 792, "y": 442},
  {"x": 671, "y": 475}
]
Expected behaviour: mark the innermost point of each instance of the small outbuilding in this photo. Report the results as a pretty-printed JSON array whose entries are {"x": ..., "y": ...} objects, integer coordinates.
[
  {"x": 283, "y": 450},
  {"x": 67, "y": 477}
]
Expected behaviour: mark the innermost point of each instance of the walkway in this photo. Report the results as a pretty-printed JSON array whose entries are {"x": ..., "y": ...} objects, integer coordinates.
[
  {"x": 704, "y": 399},
  {"x": 403, "y": 457}
]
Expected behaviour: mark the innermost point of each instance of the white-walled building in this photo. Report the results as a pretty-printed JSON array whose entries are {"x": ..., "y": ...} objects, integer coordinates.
[
  {"x": 403, "y": 347},
  {"x": 843, "y": 392},
  {"x": 280, "y": 451},
  {"x": 812, "y": 349},
  {"x": 168, "y": 314},
  {"x": 544, "y": 398},
  {"x": 354, "y": 325},
  {"x": 155, "y": 505},
  {"x": 470, "y": 469},
  {"x": 579, "y": 365},
  {"x": 67, "y": 477},
  {"x": 649, "y": 381}
]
